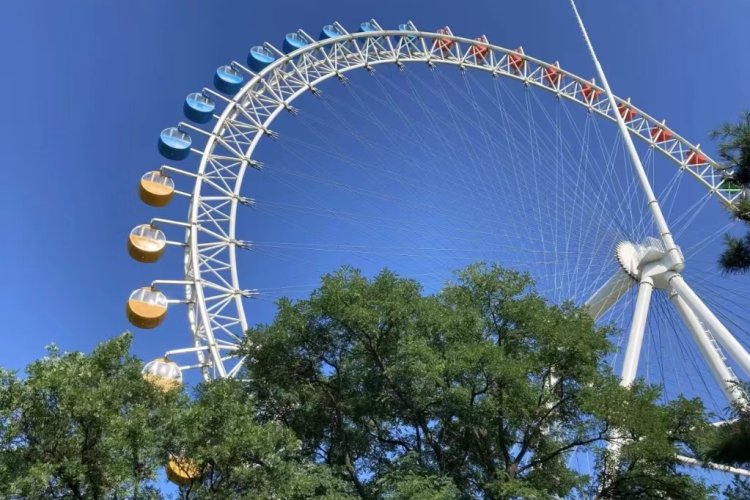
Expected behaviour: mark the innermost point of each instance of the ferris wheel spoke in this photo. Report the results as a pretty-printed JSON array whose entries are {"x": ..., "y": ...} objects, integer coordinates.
[{"x": 430, "y": 170}]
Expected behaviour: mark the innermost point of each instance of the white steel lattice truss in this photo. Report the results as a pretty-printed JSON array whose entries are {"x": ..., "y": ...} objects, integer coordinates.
[{"x": 212, "y": 290}]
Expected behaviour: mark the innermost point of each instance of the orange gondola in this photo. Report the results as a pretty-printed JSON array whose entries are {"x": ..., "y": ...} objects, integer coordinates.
[
  {"x": 626, "y": 112},
  {"x": 444, "y": 44},
  {"x": 552, "y": 75},
  {"x": 660, "y": 134},
  {"x": 695, "y": 158},
  {"x": 182, "y": 471},
  {"x": 146, "y": 243},
  {"x": 590, "y": 92},
  {"x": 480, "y": 51},
  {"x": 146, "y": 307},
  {"x": 156, "y": 189},
  {"x": 516, "y": 60}
]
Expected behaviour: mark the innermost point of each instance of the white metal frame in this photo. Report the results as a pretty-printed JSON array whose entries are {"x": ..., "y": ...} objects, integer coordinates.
[
  {"x": 212, "y": 289},
  {"x": 664, "y": 271}
]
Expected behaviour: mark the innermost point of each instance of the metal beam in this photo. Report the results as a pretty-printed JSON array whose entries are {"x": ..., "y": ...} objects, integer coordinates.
[
  {"x": 637, "y": 329},
  {"x": 722, "y": 334},
  {"x": 726, "y": 379}
]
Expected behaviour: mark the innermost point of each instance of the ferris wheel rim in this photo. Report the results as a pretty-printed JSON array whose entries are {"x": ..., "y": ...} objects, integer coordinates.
[{"x": 200, "y": 320}]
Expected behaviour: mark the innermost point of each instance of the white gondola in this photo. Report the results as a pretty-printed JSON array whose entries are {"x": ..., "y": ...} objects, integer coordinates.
[{"x": 163, "y": 373}]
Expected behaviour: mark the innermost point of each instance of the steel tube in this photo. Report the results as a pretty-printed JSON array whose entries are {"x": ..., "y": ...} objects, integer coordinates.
[
  {"x": 723, "y": 336},
  {"x": 721, "y": 372},
  {"x": 637, "y": 329}
]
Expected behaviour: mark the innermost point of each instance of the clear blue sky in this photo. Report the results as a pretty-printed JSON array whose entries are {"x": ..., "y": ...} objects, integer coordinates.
[{"x": 88, "y": 85}]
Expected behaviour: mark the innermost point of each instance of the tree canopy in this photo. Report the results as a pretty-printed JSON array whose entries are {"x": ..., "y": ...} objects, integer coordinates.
[
  {"x": 81, "y": 426},
  {"x": 481, "y": 390},
  {"x": 368, "y": 389},
  {"x": 734, "y": 151}
]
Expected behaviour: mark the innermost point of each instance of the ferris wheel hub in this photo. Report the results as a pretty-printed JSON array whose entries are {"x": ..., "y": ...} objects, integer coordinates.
[{"x": 648, "y": 259}]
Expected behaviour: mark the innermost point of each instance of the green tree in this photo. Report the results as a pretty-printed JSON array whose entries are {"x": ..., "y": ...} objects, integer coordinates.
[
  {"x": 734, "y": 151},
  {"x": 89, "y": 426},
  {"x": 738, "y": 490},
  {"x": 81, "y": 426},
  {"x": 236, "y": 456},
  {"x": 479, "y": 391}
]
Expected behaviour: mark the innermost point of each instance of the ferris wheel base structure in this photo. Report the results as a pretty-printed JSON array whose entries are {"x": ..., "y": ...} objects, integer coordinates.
[
  {"x": 649, "y": 266},
  {"x": 255, "y": 94}
]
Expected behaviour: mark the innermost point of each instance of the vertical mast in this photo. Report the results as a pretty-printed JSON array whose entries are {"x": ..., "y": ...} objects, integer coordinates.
[{"x": 661, "y": 223}]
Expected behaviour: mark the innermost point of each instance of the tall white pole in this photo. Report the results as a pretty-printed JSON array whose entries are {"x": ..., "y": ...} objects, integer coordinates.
[
  {"x": 724, "y": 336},
  {"x": 661, "y": 223},
  {"x": 637, "y": 329},
  {"x": 721, "y": 372}
]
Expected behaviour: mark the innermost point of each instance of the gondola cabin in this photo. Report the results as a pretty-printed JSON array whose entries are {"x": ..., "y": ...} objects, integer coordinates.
[
  {"x": 259, "y": 58},
  {"x": 163, "y": 373},
  {"x": 516, "y": 61},
  {"x": 330, "y": 31},
  {"x": 292, "y": 42},
  {"x": 552, "y": 75},
  {"x": 181, "y": 471},
  {"x": 146, "y": 308},
  {"x": 590, "y": 92},
  {"x": 156, "y": 189},
  {"x": 409, "y": 40},
  {"x": 228, "y": 80},
  {"x": 695, "y": 158},
  {"x": 660, "y": 134},
  {"x": 367, "y": 27},
  {"x": 198, "y": 108},
  {"x": 174, "y": 143},
  {"x": 146, "y": 243},
  {"x": 626, "y": 112},
  {"x": 480, "y": 50},
  {"x": 444, "y": 44}
]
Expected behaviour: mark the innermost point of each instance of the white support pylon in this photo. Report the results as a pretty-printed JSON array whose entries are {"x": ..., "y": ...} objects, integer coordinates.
[
  {"x": 726, "y": 379},
  {"x": 675, "y": 256},
  {"x": 722, "y": 334},
  {"x": 637, "y": 330},
  {"x": 608, "y": 294}
]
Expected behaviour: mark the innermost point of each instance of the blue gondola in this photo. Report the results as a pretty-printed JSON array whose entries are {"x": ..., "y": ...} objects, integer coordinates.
[
  {"x": 366, "y": 27},
  {"x": 293, "y": 41},
  {"x": 174, "y": 144},
  {"x": 410, "y": 39},
  {"x": 228, "y": 80},
  {"x": 198, "y": 108},
  {"x": 330, "y": 31},
  {"x": 259, "y": 57}
]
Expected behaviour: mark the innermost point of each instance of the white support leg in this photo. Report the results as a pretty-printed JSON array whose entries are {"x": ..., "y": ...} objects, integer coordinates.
[
  {"x": 724, "y": 376},
  {"x": 724, "y": 336},
  {"x": 637, "y": 329},
  {"x": 608, "y": 295},
  {"x": 712, "y": 465},
  {"x": 632, "y": 355}
]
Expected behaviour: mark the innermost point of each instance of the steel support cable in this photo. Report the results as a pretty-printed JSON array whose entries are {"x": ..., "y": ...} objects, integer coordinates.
[
  {"x": 472, "y": 161},
  {"x": 378, "y": 81},
  {"x": 595, "y": 212}
]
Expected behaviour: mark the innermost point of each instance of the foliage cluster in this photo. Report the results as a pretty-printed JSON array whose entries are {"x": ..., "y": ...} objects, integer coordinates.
[
  {"x": 734, "y": 151},
  {"x": 368, "y": 389}
]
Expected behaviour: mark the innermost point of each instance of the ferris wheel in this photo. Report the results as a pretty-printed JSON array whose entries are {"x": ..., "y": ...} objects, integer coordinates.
[{"x": 480, "y": 152}]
